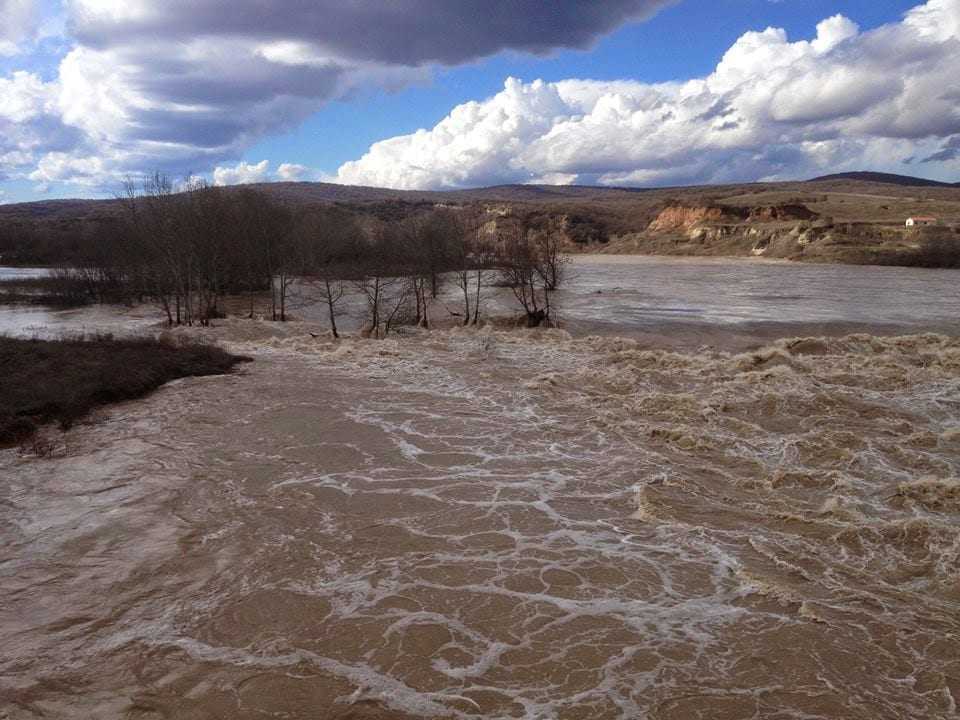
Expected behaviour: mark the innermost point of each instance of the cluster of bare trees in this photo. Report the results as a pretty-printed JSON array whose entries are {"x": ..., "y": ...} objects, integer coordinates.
[
  {"x": 187, "y": 249},
  {"x": 406, "y": 266},
  {"x": 179, "y": 251},
  {"x": 532, "y": 265}
]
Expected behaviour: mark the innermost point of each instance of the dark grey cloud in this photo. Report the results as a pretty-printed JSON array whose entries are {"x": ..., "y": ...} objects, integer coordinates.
[
  {"x": 247, "y": 80},
  {"x": 183, "y": 85},
  {"x": 395, "y": 32}
]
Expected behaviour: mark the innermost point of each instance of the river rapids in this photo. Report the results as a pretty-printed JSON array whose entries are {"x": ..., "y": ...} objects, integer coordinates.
[{"x": 486, "y": 524}]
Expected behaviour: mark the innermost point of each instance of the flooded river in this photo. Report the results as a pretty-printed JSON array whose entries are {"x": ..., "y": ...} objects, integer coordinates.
[
  {"x": 677, "y": 302},
  {"x": 537, "y": 525}
]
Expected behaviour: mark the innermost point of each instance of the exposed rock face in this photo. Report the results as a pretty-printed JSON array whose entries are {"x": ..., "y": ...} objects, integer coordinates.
[
  {"x": 682, "y": 218},
  {"x": 817, "y": 240},
  {"x": 785, "y": 230},
  {"x": 690, "y": 220},
  {"x": 781, "y": 213}
]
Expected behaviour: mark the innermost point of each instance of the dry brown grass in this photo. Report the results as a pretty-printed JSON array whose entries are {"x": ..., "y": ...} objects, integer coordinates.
[{"x": 46, "y": 381}]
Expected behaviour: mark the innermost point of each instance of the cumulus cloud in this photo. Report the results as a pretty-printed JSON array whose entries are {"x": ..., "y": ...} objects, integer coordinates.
[
  {"x": 244, "y": 173},
  {"x": 17, "y": 23},
  {"x": 190, "y": 85},
  {"x": 30, "y": 125},
  {"x": 61, "y": 166},
  {"x": 292, "y": 172},
  {"x": 178, "y": 85},
  {"x": 772, "y": 109},
  {"x": 241, "y": 174}
]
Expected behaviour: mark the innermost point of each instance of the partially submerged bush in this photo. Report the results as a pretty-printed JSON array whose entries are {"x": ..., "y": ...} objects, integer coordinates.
[{"x": 44, "y": 381}]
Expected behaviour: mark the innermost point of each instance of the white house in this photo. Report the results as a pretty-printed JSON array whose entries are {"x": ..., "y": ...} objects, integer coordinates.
[{"x": 921, "y": 220}]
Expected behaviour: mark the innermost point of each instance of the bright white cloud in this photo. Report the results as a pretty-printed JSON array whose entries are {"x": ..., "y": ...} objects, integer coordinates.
[
  {"x": 60, "y": 167},
  {"x": 23, "y": 97},
  {"x": 186, "y": 85},
  {"x": 771, "y": 109},
  {"x": 242, "y": 173},
  {"x": 291, "y": 172},
  {"x": 182, "y": 86},
  {"x": 17, "y": 23}
]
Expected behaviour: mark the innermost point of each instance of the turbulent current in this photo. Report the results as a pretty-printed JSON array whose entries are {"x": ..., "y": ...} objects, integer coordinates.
[{"x": 484, "y": 524}]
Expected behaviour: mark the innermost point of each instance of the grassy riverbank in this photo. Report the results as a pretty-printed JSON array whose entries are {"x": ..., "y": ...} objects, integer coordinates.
[{"x": 45, "y": 381}]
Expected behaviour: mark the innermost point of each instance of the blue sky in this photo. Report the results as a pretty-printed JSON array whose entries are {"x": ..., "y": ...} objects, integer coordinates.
[
  {"x": 682, "y": 41},
  {"x": 98, "y": 90}
]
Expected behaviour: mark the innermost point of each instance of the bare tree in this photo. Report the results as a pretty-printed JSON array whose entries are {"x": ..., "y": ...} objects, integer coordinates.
[
  {"x": 380, "y": 277},
  {"x": 331, "y": 242},
  {"x": 484, "y": 255},
  {"x": 272, "y": 246},
  {"x": 473, "y": 254},
  {"x": 532, "y": 266},
  {"x": 551, "y": 262},
  {"x": 428, "y": 243},
  {"x": 150, "y": 228},
  {"x": 193, "y": 245}
]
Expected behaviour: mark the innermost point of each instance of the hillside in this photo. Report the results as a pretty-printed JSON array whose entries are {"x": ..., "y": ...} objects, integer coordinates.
[
  {"x": 886, "y": 178},
  {"x": 853, "y": 217}
]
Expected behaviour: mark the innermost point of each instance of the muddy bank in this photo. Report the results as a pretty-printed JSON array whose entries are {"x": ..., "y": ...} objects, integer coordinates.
[
  {"x": 503, "y": 525},
  {"x": 60, "y": 381}
]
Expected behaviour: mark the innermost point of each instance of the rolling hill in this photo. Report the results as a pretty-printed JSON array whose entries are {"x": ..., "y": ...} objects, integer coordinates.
[
  {"x": 862, "y": 207},
  {"x": 884, "y": 178}
]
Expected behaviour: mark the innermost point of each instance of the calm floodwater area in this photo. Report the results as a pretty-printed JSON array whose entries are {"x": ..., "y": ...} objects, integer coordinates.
[{"x": 725, "y": 489}]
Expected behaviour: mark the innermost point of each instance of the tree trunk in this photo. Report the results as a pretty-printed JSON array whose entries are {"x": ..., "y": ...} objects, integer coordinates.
[
  {"x": 466, "y": 300},
  {"x": 476, "y": 304},
  {"x": 331, "y": 309}
]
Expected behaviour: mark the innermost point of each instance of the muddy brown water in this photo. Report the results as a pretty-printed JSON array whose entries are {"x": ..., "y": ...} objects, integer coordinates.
[
  {"x": 688, "y": 302},
  {"x": 483, "y": 524}
]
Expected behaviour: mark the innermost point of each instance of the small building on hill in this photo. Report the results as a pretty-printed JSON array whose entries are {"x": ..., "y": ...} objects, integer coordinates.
[{"x": 921, "y": 220}]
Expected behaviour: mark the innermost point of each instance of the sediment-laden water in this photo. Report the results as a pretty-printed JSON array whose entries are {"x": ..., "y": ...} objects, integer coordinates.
[
  {"x": 729, "y": 303},
  {"x": 500, "y": 525}
]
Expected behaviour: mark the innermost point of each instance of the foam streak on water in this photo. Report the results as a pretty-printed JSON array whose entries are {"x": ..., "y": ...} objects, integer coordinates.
[{"x": 482, "y": 524}]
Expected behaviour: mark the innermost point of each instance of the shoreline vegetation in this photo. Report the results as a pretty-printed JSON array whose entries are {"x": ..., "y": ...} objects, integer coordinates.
[
  {"x": 61, "y": 381},
  {"x": 189, "y": 250},
  {"x": 198, "y": 253},
  {"x": 849, "y": 219}
]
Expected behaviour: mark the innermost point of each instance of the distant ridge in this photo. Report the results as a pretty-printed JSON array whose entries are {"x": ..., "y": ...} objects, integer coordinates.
[
  {"x": 888, "y": 178},
  {"x": 630, "y": 202}
]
